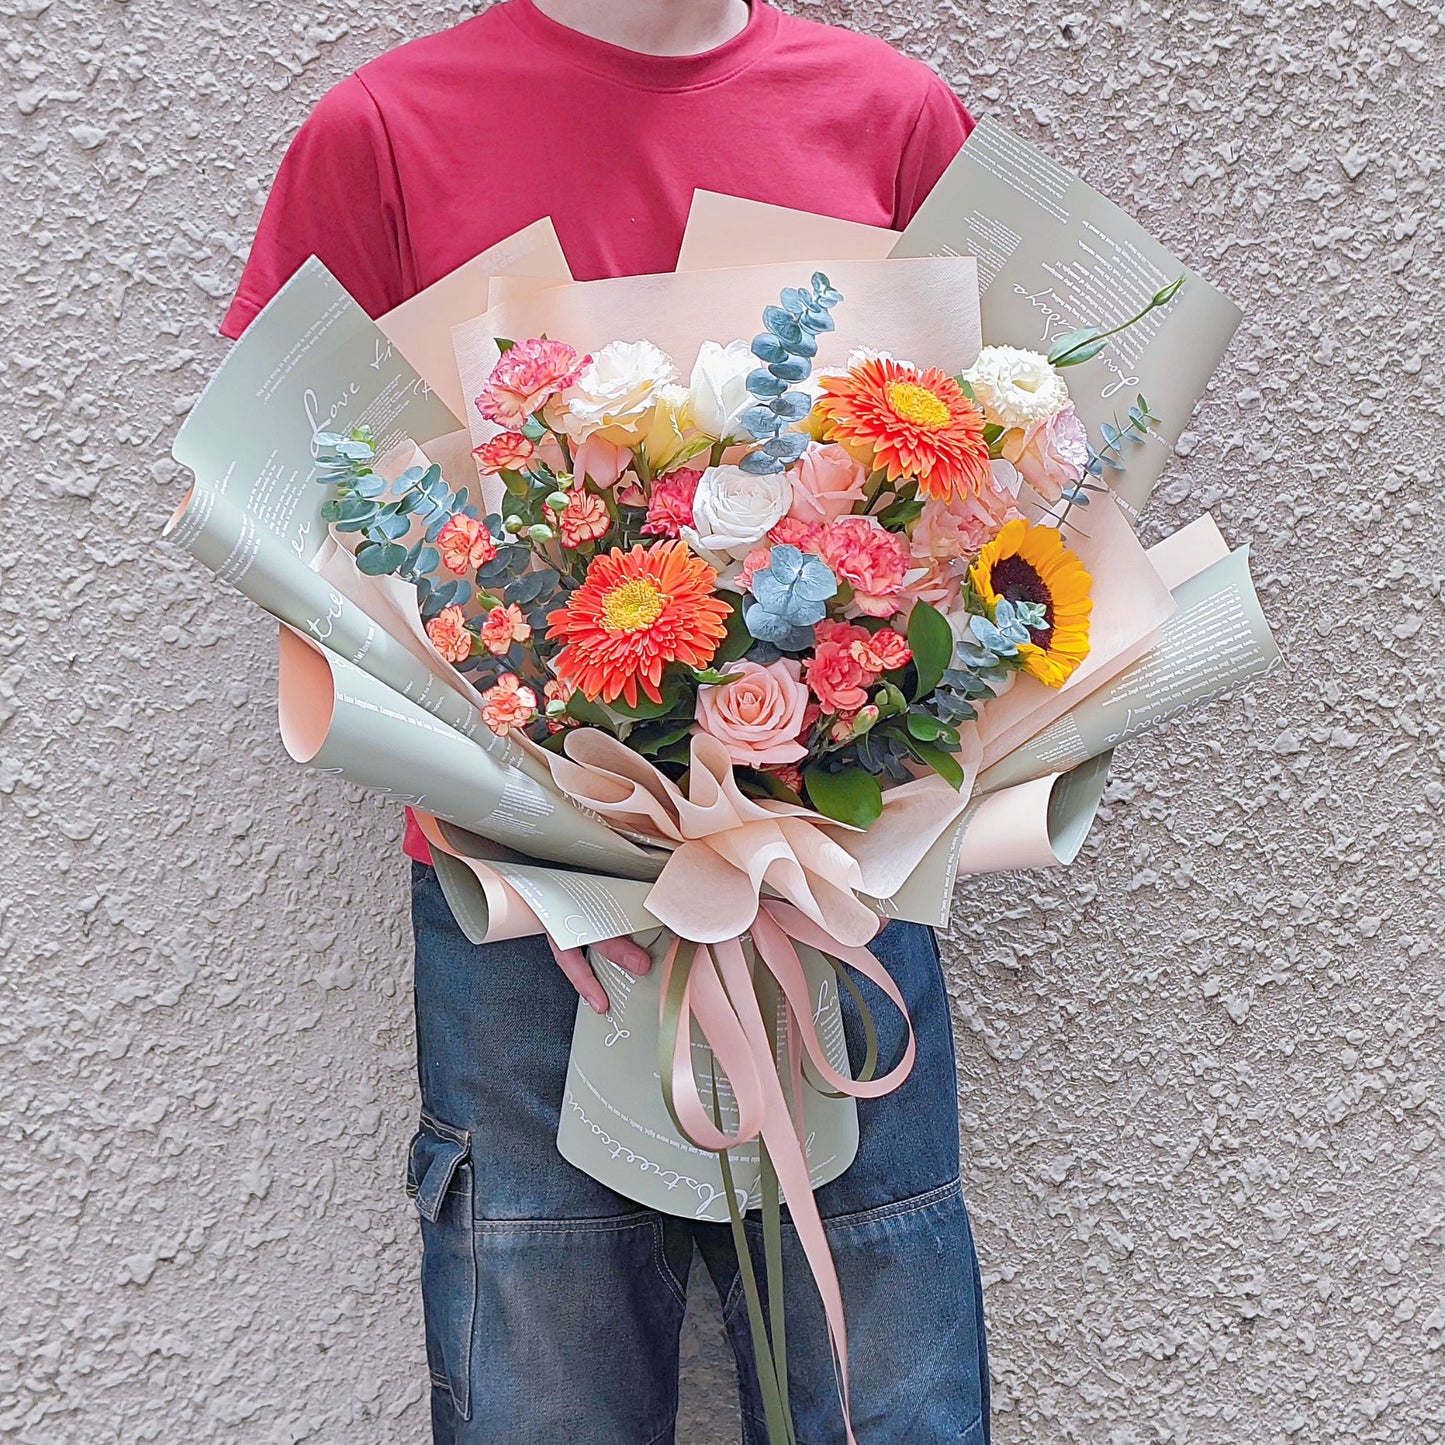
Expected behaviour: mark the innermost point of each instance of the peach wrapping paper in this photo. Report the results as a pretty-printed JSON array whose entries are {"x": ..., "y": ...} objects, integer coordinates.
[{"x": 731, "y": 849}]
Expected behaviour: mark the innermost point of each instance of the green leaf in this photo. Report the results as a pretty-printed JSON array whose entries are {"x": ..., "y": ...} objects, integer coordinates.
[
  {"x": 580, "y": 710},
  {"x": 711, "y": 676},
  {"x": 652, "y": 738},
  {"x": 737, "y": 641},
  {"x": 378, "y": 559},
  {"x": 931, "y": 641},
  {"x": 898, "y": 515},
  {"x": 924, "y": 727},
  {"x": 1064, "y": 347},
  {"x": 850, "y": 796},
  {"x": 943, "y": 763}
]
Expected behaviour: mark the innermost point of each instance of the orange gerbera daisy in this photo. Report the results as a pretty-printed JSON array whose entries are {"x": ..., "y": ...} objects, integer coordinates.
[
  {"x": 634, "y": 613},
  {"x": 908, "y": 424}
]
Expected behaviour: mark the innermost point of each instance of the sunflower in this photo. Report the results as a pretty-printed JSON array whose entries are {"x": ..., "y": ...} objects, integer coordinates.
[
  {"x": 1027, "y": 563},
  {"x": 908, "y": 424},
  {"x": 634, "y": 613}
]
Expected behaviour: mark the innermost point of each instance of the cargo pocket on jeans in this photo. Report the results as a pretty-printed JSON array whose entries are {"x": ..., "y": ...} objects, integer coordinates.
[{"x": 439, "y": 1180}]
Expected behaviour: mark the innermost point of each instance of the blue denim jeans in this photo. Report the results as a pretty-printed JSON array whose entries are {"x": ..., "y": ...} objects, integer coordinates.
[{"x": 553, "y": 1306}]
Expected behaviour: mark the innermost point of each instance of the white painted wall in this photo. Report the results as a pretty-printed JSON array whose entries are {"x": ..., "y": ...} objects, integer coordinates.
[{"x": 1201, "y": 1073}]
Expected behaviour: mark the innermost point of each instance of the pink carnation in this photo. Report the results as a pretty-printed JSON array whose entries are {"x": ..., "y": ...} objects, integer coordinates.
[
  {"x": 870, "y": 559},
  {"x": 956, "y": 529},
  {"x": 508, "y": 705},
  {"x": 882, "y": 651},
  {"x": 837, "y": 679},
  {"x": 669, "y": 508},
  {"x": 754, "y": 562},
  {"x": 527, "y": 376},
  {"x": 791, "y": 532}
]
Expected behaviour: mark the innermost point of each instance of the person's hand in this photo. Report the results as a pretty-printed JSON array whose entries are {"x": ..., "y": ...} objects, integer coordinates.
[{"x": 624, "y": 952}]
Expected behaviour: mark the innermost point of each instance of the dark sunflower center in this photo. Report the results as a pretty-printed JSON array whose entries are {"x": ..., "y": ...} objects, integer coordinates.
[{"x": 1017, "y": 580}]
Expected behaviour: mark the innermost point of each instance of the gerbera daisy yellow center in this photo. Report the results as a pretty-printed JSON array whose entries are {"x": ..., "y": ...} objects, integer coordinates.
[
  {"x": 918, "y": 405},
  {"x": 633, "y": 606}
]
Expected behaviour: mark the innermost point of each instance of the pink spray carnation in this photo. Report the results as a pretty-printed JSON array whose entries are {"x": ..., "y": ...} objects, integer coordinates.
[
  {"x": 465, "y": 545},
  {"x": 872, "y": 560},
  {"x": 503, "y": 626},
  {"x": 669, "y": 508},
  {"x": 585, "y": 518},
  {"x": 526, "y": 377},
  {"x": 450, "y": 635},
  {"x": 505, "y": 452}
]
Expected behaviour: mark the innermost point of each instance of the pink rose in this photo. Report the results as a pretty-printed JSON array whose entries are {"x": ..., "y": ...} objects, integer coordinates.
[
  {"x": 758, "y": 716},
  {"x": 872, "y": 560},
  {"x": 526, "y": 377},
  {"x": 826, "y": 483},
  {"x": 600, "y": 461},
  {"x": 1052, "y": 454}
]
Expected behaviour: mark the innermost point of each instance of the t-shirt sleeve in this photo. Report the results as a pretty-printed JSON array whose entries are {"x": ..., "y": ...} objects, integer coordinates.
[
  {"x": 942, "y": 126},
  {"x": 336, "y": 196}
]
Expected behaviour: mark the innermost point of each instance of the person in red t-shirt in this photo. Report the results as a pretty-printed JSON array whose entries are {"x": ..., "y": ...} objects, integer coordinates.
[{"x": 553, "y": 1306}]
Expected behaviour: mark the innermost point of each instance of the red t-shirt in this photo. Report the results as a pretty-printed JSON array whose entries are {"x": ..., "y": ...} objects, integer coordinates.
[{"x": 446, "y": 145}]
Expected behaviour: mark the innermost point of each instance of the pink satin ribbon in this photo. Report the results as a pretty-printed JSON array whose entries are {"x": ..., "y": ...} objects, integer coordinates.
[{"x": 720, "y": 998}]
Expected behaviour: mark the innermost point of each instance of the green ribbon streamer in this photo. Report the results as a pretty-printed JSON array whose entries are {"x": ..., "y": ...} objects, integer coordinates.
[{"x": 771, "y": 1363}]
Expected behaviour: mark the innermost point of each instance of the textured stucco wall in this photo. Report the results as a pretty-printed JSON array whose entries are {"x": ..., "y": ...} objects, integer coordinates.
[{"x": 1201, "y": 1073}]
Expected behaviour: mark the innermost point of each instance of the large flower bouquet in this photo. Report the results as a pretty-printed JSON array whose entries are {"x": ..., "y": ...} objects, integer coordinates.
[
  {"x": 826, "y": 572},
  {"x": 739, "y": 663}
]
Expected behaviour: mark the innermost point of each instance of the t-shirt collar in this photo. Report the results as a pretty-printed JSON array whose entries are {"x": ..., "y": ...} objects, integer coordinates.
[{"x": 642, "y": 71}]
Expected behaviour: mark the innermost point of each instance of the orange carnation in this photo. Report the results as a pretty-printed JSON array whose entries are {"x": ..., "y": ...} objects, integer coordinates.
[
  {"x": 908, "y": 424},
  {"x": 507, "y": 705},
  {"x": 465, "y": 544},
  {"x": 636, "y": 612},
  {"x": 450, "y": 634},
  {"x": 503, "y": 626}
]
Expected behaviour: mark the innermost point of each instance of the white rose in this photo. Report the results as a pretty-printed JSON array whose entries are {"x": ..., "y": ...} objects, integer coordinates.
[
  {"x": 719, "y": 389},
  {"x": 614, "y": 392},
  {"x": 733, "y": 510}
]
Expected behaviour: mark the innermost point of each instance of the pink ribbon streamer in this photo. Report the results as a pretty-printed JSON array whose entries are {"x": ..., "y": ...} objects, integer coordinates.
[{"x": 719, "y": 997}]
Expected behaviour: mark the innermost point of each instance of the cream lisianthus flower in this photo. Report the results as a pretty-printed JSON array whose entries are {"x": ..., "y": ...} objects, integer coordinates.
[
  {"x": 667, "y": 434},
  {"x": 614, "y": 392},
  {"x": 718, "y": 389},
  {"x": 1016, "y": 388}
]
